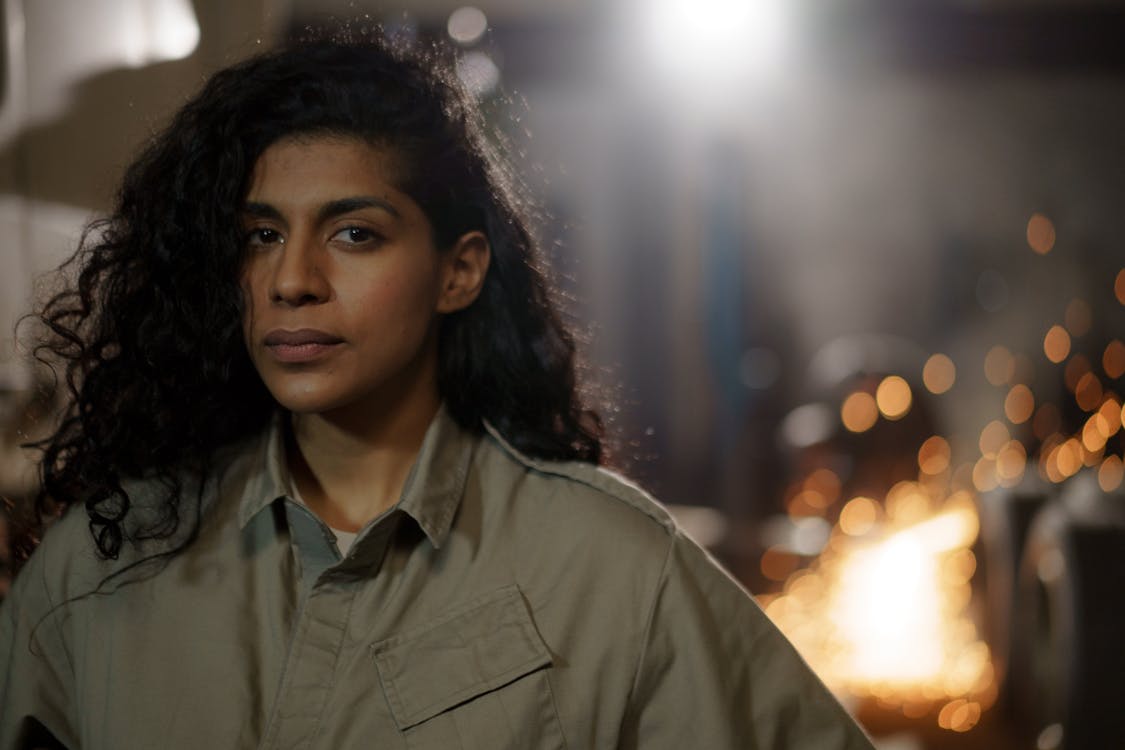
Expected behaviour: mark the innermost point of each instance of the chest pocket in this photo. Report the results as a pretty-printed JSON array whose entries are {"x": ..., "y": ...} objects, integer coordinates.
[{"x": 475, "y": 678}]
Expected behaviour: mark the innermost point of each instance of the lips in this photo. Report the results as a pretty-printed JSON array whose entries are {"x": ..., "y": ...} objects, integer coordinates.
[
  {"x": 303, "y": 345},
  {"x": 302, "y": 337}
]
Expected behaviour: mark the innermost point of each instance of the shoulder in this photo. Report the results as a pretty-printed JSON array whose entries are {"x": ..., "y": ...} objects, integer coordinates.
[
  {"x": 67, "y": 560},
  {"x": 598, "y": 527},
  {"x": 608, "y": 527},
  {"x": 580, "y": 491},
  {"x": 64, "y": 562}
]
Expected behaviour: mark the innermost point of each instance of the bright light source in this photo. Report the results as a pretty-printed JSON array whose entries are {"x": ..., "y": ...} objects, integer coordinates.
[
  {"x": 479, "y": 74},
  {"x": 889, "y": 611},
  {"x": 467, "y": 25},
  {"x": 158, "y": 31},
  {"x": 173, "y": 28},
  {"x": 702, "y": 40}
]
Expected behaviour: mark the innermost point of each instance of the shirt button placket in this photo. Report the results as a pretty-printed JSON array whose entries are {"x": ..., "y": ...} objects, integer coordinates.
[
  {"x": 312, "y": 663},
  {"x": 317, "y": 643}
]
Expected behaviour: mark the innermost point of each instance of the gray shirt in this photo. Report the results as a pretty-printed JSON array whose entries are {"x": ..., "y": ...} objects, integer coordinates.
[{"x": 503, "y": 602}]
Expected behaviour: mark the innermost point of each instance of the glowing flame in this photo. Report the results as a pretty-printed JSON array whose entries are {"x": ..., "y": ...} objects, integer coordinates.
[
  {"x": 884, "y": 614},
  {"x": 889, "y": 605}
]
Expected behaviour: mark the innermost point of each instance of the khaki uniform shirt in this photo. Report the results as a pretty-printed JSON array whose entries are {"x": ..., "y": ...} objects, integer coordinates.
[{"x": 504, "y": 602}]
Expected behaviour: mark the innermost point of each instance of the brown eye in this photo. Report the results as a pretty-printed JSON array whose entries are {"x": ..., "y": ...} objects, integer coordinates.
[
  {"x": 261, "y": 236},
  {"x": 355, "y": 236}
]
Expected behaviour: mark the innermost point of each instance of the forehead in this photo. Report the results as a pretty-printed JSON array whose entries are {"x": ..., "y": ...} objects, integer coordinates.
[{"x": 298, "y": 169}]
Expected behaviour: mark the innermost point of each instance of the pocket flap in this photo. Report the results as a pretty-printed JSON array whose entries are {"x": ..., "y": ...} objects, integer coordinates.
[{"x": 473, "y": 649}]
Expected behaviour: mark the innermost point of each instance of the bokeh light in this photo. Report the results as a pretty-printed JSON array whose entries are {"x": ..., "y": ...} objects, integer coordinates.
[
  {"x": 1040, "y": 234},
  {"x": 959, "y": 715},
  {"x": 1109, "y": 411},
  {"x": 1119, "y": 286},
  {"x": 174, "y": 31},
  {"x": 1049, "y": 459},
  {"x": 893, "y": 397},
  {"x": 1010, "y": 463},
  {"x": 859, "y": 412},
  {"x": 993, "y": 437},
  {"x": 479, "y": 73},
  {"x": 939, "y": 374},
  {"x": 959, "y": 567},
  {"x": 985, "y": 477},
  {"x": 999, "y": 366},
  {"x": 467, "y": 25},
  {"x": 1069, "y": 457},
  {"x": 1110, "y": 474},
  {"x": 826, "y": 483},
  {"x": 1113, "y": 359},
  {"x": 1094, "y": 434},
  {"x": 934, "y": 455},
  {"x": 1088, "y": 392},
  {"x": 1047, "y": 420},
  {"x": 858, "y": 516},
  {"x": 1076, "y": 367},
  {"x": 1019, "y": 404},
  {"x": 907, "y": 503},
  {"x": 813, "y": 498},
  {"x": 706, "y": 42},
  {"x": 806, "y": 504},
  {"x": 777, "y": 563},
  {"x": 1056, "y": 344}
]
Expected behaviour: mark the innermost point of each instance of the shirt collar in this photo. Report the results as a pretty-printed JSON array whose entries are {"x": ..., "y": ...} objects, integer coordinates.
[{"x": 431, "y": 494}]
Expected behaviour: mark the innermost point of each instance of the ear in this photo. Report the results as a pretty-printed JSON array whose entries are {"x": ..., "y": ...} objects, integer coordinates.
[{"x": 464, "y": 266}]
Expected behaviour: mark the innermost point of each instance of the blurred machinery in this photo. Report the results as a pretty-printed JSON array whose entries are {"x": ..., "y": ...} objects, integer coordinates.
[
  {"x": 1032, "y": 515},
  {"x": 1059, "y": 613}
]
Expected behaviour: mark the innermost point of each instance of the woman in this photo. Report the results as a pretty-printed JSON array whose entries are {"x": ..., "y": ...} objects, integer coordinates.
[{"x": 339, "y": 486}]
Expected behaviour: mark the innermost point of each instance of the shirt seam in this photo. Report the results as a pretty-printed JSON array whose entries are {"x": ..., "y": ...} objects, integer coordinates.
[
  {"x": 287, "y": 666},
  {"x": 69, "y": 707},
  {"x": 51, "y": 611},
  {"x": 335, "y": 668},
  {"x": 51, "y": 614},
  {"x": 650, "y": 620},
  {"x": 606, "y": 483}
]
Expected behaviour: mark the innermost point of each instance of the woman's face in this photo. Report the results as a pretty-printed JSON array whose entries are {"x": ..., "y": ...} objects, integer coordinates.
[{"x": 342, "y": 282}]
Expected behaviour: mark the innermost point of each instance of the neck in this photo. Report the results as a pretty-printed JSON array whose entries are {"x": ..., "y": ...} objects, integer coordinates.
[{"x": 350, "y": 466}]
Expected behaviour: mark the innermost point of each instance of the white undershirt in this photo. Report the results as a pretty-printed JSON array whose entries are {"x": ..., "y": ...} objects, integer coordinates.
[{"x": 344, "y": 539}]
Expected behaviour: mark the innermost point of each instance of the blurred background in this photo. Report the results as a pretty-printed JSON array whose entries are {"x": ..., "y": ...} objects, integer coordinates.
[{"x": 852, "y": 274}]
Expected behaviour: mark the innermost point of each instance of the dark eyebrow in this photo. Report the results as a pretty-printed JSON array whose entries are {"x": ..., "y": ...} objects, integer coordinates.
[
  {"x": 347, "y": 205},
  {"x": 327, "y": 211},
  {"x": 261, "y": 211}
]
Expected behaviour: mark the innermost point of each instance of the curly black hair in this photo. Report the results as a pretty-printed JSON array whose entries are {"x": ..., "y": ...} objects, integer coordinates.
[{"x": 150, "y": 333}]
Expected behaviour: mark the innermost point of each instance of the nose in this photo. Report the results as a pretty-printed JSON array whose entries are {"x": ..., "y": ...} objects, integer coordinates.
[{"x": 298, "y": 277}]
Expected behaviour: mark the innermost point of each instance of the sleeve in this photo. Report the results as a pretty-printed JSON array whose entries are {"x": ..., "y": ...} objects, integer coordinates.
[
  {"x": 36, "y": 677},
  {"x": 715, "y": 673}
]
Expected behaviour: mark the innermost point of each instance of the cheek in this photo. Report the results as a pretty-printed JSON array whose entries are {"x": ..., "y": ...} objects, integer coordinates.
[{"x": 404, "y": 303}]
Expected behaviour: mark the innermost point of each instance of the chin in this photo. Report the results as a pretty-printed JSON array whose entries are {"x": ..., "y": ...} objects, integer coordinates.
[{"x": 305, "y": 398}]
